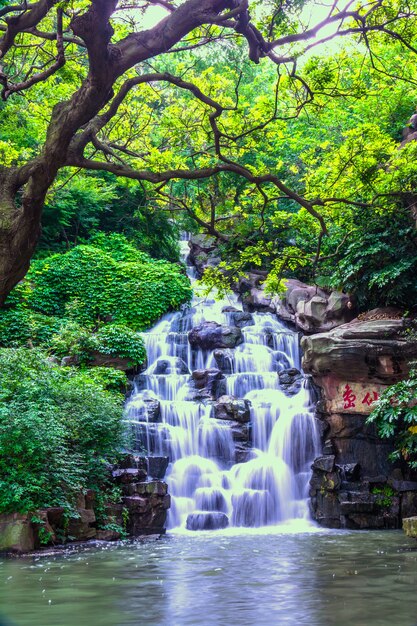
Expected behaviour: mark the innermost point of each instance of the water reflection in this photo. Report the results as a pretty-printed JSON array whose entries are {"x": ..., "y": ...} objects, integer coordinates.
[{"x": 319, "y": 579}]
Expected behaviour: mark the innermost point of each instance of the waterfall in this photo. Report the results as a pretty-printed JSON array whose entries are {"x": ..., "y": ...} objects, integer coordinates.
[{"x": 249, "y": 468}]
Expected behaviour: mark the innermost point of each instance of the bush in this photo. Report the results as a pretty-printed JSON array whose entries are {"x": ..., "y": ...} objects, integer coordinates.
[
  {"x": 92, "y": 286},
  {"x": 58, "y": 431},
  {"x": 121, "y": 341},
  {"x": 24, "y": 327},
  {"x": 395, "y": 416}
]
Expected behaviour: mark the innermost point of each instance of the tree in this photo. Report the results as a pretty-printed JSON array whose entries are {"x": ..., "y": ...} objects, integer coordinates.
[{"x": 96, "y": 62}]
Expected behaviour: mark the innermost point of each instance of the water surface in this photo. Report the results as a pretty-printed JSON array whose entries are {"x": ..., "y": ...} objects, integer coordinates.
[{"x": 256, "y": 578}]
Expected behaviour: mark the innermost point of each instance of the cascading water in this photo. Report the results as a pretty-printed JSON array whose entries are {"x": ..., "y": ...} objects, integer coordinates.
[{"x": 272, "y": 434}]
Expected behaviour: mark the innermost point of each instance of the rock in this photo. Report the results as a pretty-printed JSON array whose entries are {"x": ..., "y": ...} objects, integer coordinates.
[
  {"x": 230, "y": 408},
  {"x": 16, "y": 533},
  {"x": 151, "y": 487},
  {"x": 410, "y": 527},
  {"x": 203, "y": 252},
  {"x": 375, "y": 351},
  {"x": 312, "y": 309},
  {"x": 99, "y": 359},
  {"x": 107, "y": 535},
  {"x": 289, "y": 376},
  {"x": 224, "y": 360},
  {"x": 241, "y": 319},
  {"x": 402, "y": 485},
  {"x": 82, "y": 527},
  {"x": 170, "y": 365},
  {"x": 127, "y": 476},
  {"x": 206, "y": 384},
  {"x": 240, "y": 432},
  {"x": 157, "y": 466},
  {"x": 153, "y": 409},
  {"x": 351, "y": 471},
  {"x": 408, "y": 504},
  {"x": 324, "y": 463},
  {"x": 147, "y": 511},
  {"x": 207, "y": 520},
  {"x": 211, "y": 335}
]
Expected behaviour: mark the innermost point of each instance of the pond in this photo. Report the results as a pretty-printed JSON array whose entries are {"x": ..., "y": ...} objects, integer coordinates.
[{"x": 263, "y": 577}]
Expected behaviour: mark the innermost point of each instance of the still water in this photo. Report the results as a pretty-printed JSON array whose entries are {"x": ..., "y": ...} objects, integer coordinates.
[{"x": 257, "y": 578}]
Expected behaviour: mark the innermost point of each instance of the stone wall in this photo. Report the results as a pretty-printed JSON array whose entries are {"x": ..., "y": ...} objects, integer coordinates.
[{"x": 353, "y": 484}]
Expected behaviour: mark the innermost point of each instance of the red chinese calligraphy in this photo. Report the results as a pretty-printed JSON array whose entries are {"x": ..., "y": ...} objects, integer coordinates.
[
  {"x": 349, "y": 398},
  {"x": 368, "y": 399}
]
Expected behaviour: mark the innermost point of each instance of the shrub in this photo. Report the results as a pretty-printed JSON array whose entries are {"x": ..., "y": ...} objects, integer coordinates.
[
  {"x": 59, "y": 429},
  {"x": 395, "y": 416},
  {"x": 90, "y": 286}
]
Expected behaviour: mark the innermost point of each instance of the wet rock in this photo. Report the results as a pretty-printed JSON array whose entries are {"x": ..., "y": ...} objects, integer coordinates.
[
  {"x": 211, "y": 335},
  {"x": 326, "y": 508},
  {"x": 224, "y": 360},
  {"x": 290, "y": 381},
  {"x": 203, "y": 252},
  {"x": 230, "y": 408},
  {"x": 324, "y": 463},
  {"x": 402, "y": 485},
  {"x": 240, "y": 432},
  {"x": 207, "y": 520},
  {"x": 289, "y": 376},
  {"x": 206, "y": 384},
  {"x": 157, "y": 466},
  {"x": 241, "y": 319},
  {"x": 173, "y": 365},
  {"x": 130, "y": 475},
  {"x": 351, "y": 471}
]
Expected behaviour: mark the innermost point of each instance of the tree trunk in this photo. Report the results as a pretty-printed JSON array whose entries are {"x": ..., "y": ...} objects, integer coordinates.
[{"x": 19, "y": 233}]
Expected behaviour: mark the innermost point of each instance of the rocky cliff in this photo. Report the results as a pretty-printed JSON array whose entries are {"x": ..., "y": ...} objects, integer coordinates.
[{"x": 353, "y": 484}]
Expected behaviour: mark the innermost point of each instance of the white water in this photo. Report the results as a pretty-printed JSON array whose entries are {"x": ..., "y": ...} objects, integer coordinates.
[{"x": 271, "y": 487}]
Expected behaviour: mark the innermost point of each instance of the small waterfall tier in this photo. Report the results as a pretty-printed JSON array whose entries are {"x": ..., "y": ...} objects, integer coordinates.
[{"x": 223, "y": 398}]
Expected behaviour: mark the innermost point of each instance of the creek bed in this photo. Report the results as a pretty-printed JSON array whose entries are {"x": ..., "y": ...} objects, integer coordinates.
[{"x": 258, "y": 577}]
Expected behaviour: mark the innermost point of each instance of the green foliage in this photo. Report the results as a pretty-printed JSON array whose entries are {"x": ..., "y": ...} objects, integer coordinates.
[
  {"x": 93, "y": 285},
  {"x": 384, "y": 495},
  {"x": 58, "y": 431},
  {"x": 121, "y": 341},
  {"x": 395, "y": 416},
  {"x": 22, "y": 327}
]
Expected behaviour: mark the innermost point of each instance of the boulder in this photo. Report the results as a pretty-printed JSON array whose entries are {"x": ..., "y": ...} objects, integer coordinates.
[
  {"x": 230, "y": 408},
  {"x": 211, "y": 335},
  {"x": 157, "y": 466},
  {"x": 224, "y": 360},
  {"x": 374, "y": 351},
  {"x": 241, "y": 319},
  {"x": 82, "y": 527},
  {"x": 16, "y": 533},
  {"x": 170, "y": 365},
  {"x": 203, "y": 252},
  {"x": 312, "y": 309},
  {"x": 207, "y": 520},
  {"x": 206, "y": 384}
]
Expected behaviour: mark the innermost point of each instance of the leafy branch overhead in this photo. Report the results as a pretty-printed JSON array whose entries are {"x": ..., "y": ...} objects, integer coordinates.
[{"x": 109, "y": 89}]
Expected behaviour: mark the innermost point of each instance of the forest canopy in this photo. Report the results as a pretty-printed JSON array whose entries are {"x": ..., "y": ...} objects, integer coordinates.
[{"x": 276, "y": 127}]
